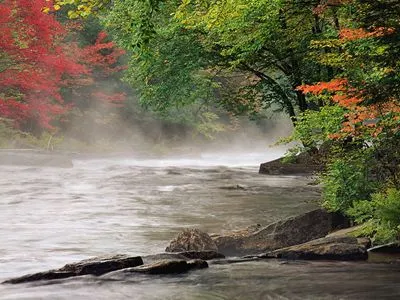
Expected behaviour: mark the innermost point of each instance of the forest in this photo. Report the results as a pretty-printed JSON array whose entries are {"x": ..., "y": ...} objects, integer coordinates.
[{"x": 331, "y": 66}]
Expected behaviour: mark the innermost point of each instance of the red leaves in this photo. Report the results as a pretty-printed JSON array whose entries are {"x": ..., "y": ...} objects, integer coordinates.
[
  {"x": 103, "y": 56},
  {"x": 35, "y": 63}
]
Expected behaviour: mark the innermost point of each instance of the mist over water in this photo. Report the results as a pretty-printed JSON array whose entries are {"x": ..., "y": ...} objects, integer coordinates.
[{"x": 134, "y": 202}]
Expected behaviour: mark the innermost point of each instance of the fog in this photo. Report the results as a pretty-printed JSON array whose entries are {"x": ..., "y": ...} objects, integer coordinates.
[{"x": 109, "y": 130}]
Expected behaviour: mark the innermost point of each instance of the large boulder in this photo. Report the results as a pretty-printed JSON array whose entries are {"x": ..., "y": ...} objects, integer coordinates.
[
  {"x": 292, "y": 231},
  {"x": 192, "y": 240},
  {"x": 95, "y": 266},
  {"x": 328, "y": 248}
]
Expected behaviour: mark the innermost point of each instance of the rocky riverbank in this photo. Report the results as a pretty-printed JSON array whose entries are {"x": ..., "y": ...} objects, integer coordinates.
[{"x": 304, "y": 237}]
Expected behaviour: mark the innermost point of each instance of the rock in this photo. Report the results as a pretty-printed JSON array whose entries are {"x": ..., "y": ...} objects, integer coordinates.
[
  {"x": 161, "y": 267},
  {"x": 328, "y": 248},
  {"x": 292, "y": 231},
  {"x": 187, "y": 255},
  {"x": 149, "y": 259},
  {"x": 100, "y": 265},
  {"x": 197, "y": 264},
  {"x": 350, "y": 231},
  {"x": 233, "y": 187},
  {"x": 49, "y": 275},
  {"x": 235, "y": 260},
  {"x": 165, "y": 267},
  {"x": 202, "y": 255},
  {"x": 94, "y": 266},
  {"x": 385, "y": 253},
  {"x": 191, "y": 240},
  {"x": 302, "y": 164}
]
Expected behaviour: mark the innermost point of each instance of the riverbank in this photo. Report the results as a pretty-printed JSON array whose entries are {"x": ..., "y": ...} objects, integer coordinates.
[{"x": 304, "y": 237}]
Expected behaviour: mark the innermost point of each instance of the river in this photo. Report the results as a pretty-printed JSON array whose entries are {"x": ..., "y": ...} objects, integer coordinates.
[{"x": 50, "y": 217}]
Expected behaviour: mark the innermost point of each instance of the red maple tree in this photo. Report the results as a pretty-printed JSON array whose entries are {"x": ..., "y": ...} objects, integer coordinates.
[
  {"x": 36, "y": 62},
  {"x": 33, "y": 64}
]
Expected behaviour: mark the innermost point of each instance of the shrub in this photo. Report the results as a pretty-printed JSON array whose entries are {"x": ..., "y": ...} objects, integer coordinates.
[
  {"x": 381, "y": 214},
  {"x": 346, "y": 180}
]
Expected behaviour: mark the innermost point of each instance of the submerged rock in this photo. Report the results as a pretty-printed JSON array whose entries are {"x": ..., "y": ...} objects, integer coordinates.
[
  {"x": 291, "y": 231},
  {"x": 94, "y": 266},
  {"x": 328, "y": 248},
  {"x": 192, "y": 240}
]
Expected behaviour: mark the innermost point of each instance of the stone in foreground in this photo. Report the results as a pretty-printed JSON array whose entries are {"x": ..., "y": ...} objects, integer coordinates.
[
  {"x": 192, "y": 240},
  {"x": 94, "y": 266},
  {"x": 164, "y": 267},
  {"x": 187, "y": 255},
  {"x": 291, "y": 231},
  {"x": 329, "y": 248},
  {"x": 202, "y": 255},
  {"x": 100, "y": 265}
]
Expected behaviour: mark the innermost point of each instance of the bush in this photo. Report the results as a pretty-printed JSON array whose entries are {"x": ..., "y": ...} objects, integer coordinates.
[
  {"x": 345, "y": 181},
  {"x": 381, "y": 214}
]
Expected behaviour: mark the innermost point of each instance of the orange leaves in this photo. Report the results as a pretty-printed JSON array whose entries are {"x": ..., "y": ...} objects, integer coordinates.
[
  {"x": 349, "y": 34},
  {"x": 342, "y": 93},
  {"x": 370, "y": 120},
  {"x": 345, "y": 100},
  {"x": 361, "y": 120},
  {"x": 334, "y": 85}
]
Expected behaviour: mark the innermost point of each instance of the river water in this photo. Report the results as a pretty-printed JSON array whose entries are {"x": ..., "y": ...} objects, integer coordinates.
[{"x": 50, "y": 217}]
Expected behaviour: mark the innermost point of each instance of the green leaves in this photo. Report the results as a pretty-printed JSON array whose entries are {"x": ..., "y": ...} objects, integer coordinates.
[{"x": 381, "y": 214}]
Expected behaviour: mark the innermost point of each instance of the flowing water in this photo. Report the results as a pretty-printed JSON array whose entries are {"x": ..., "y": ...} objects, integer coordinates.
[{"x": 50, "y": 217}]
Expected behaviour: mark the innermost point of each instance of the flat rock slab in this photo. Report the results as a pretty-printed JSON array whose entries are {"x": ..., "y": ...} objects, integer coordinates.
[
  {"x": 202, "y": 255},
  {"x": 95, "y": 266},
  {"x": 100, "y": 265},
  {"x": 331, "y": 248},
  {"x": 161, "y": 268},
  {"x": 291, "y": 231},
  {"x": 186, "y": 255},
  {"x": 302, "y": 165}
]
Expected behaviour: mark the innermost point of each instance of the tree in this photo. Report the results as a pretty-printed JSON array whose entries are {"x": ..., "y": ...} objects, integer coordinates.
[{"x": 34, "y": 64}]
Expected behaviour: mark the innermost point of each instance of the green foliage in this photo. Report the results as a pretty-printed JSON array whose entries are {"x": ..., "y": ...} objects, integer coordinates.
[
  {"x": 291, "y": 154},
  {"x": 209, "y": 125},
  {"x": 345, "y": 181},
  {"x": 313, "y": 128},
  {"x": 13, "y": 138},
  {"x": 381, "y": 214}
]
